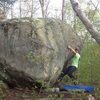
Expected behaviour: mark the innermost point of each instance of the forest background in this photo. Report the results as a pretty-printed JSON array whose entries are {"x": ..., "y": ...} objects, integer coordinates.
[{"x": 89, "y": 70}]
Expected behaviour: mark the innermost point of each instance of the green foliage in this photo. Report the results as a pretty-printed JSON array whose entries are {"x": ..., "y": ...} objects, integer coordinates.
[
  {"x": 61, "y": 97},
  {"x": 41, "y": 83},
  {"x": 89, "y": 67},
  {"x": 3, "y": 89}
]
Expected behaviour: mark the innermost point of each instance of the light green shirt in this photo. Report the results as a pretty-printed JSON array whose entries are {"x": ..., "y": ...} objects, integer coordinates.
[{"x": 75, "y": 60}]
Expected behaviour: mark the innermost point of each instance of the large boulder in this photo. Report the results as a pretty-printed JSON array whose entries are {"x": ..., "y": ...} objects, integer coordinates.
[{"x": 34, "y": 49}]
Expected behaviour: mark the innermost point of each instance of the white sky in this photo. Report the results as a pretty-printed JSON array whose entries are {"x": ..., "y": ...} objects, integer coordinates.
[{"x": 54, "y": 5}]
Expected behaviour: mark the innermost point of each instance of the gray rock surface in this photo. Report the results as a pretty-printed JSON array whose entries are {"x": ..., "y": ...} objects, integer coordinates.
[{"x": 34, "y": 49}]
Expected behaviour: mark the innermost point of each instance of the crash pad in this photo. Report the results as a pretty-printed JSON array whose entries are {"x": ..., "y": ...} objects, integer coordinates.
[{"x": 78, "y": 87}]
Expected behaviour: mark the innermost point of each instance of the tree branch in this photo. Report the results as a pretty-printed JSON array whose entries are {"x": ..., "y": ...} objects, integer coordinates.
[{"x": 94, "y": 33}]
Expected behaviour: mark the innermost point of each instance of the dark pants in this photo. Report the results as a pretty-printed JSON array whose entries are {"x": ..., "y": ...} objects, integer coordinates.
[{"x": 68, "y": 71}]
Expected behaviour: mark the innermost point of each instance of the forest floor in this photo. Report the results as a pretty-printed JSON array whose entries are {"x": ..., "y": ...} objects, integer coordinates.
[
  {"x": 27, "y": 94},
  {"x": 40, "y": 94}
]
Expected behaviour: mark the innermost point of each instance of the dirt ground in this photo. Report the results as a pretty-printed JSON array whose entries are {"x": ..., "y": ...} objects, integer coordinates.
[{"x": 27, "y": 94}]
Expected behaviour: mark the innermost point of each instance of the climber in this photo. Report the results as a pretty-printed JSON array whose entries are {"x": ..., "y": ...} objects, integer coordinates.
[{"x": 73, "y": 65}]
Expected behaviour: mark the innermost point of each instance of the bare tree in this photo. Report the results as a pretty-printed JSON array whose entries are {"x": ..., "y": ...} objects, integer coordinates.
[
  {"x": 44, "y": 7},
  {"x": 11, "y": 10},
  {"x": 28, "y": 8},
  {"x": 94, "y": 33},
  {"x": 32, "y": 9},
  {"x": 5, "y": 5},
  {"x": 2, "y": 15},
  {"x": 20, "y": 8},
  {"x": 63, "y": 10},
  {"x": 96, "y": 6}
]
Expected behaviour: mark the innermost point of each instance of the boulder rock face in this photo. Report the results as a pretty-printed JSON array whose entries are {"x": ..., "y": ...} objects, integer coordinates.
[{"x": 34, "y": 49}]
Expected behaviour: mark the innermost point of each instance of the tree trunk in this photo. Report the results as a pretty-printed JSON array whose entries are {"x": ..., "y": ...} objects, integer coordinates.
[
  {"x": 94, "y": 33},
  {"x": 11, "y": 11},
  {"x": 20, "y": 9},
  {"x": 42, "y": 7},
  {"x": 63, "y": 10}
]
